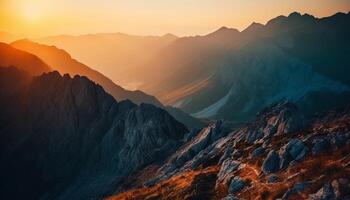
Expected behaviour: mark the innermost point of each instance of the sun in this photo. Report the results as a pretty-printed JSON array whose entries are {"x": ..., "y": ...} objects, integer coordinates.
[{"x": 31, "y": 13}]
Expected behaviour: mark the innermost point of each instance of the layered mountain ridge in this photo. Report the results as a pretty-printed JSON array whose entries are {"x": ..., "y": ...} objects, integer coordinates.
[
  {"x": 61, "y": 61},
  {"x": 221, "y": 75}
]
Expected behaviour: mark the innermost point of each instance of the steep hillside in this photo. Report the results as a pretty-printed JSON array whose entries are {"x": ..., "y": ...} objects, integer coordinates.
[
  {"x": 10, "y": 56},
  {"x": 66, "y": 138}
]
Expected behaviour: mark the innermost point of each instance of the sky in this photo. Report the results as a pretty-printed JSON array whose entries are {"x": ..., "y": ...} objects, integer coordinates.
[{"x": 149, "y": 17}]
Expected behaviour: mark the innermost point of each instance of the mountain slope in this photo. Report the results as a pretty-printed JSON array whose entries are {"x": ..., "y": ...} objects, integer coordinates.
[
  {"x": 279, "y": 155},
  {"x": 10, "y": 56},
  {"x": 66, "y": 138},
  {"x": 116, "y": 54},
  {"x": 61, "y": 61}
]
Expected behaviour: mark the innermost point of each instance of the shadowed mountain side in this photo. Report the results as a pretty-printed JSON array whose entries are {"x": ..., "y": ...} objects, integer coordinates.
[
  {"x": 66, "y": 138},
  {"x": 10, "y": 56}
]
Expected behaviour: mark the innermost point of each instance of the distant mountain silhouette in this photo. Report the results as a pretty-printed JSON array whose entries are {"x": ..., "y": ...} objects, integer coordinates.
[
  {"x": 116, "y": 54},
  {"x": 10, "y": 56}
]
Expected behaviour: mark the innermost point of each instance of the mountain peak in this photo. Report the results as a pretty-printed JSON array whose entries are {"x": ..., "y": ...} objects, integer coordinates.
[
  {"x": 223, "y": 31},
  {"x": 253, "y": 27},
  {"x": 294, "y": 14},
  {"x": 170, "y": 36}
]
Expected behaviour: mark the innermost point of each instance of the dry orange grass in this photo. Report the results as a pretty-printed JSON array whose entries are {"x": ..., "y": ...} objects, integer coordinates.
[{"x": 189, "y": 185}]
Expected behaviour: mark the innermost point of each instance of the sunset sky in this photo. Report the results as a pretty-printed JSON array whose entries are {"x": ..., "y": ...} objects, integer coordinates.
[{"x": 149, "y": 17}]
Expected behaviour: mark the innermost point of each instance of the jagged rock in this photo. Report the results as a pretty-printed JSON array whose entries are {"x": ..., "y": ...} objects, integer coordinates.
[
  {"x": 236, "y": 185},
  {"x": 237, "y": 153},
  {"x": 325, "y": 193},
  {"x": 282, "y": 118},
  {"x": 227, "y": 153},
  {"x": 320, "y": 144},
  {"x": 272, "y": 178},
  {"x": 254, "y": 135},
  {"x": 227, "y": 167},
  {"x": 271, "y": 163},
  {"x": 296, "y": 189},
  {"x": 258, "y": 151},
  {"x": 295, "y": 150},
  {"x": 190, "y": 135},
  {"x": 290, "y": 120},
  {"x": 266, "y": 143}
]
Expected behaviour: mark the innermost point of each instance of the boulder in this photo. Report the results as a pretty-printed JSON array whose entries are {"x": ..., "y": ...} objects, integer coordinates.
[
  {"x": 257, "y": 152},
  {"x": 236, "y": 185},
  {"x": 271, "y": 163},
  {"x": 227, "y": 167},
  {"x": 320, "y": 145},
  {"x": 295, "y": 150},
  {"x": 296, "y": 189}
]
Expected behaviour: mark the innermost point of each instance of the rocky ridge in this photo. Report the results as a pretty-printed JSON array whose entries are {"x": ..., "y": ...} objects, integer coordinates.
[{"x": 66, "y": 138}]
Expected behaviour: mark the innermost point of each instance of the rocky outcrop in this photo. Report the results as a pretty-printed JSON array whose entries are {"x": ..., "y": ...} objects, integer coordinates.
[
  {"x": 271, "y": 163},
  {"x": 66, "y": 138},
  {"x": 295, "y": 150},
  {"x": 279, "y": 164}
]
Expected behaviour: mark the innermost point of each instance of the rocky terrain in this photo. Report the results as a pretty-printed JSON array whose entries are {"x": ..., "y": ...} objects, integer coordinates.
[
  {"x": 66, "y": 138},
  {"x": 279, "y": 155}
]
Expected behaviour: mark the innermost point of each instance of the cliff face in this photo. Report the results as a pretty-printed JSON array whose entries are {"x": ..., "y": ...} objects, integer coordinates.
[{"x": 64, "y": 137}]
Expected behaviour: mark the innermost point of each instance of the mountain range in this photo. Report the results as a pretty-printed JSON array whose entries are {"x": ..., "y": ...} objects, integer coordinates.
[
  {"x": 231, "y": 75},
  {"x": 53, "y": 58},
  {"x": 273, "y": 102},
  {"x": 116, "y": 54}
]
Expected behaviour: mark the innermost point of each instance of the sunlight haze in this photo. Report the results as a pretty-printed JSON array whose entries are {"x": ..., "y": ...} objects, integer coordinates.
[{"x": 154, "y": 17}]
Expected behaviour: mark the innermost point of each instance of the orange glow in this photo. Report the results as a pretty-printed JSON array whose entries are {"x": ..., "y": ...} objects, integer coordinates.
[{"x": 155, "y": 17}]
